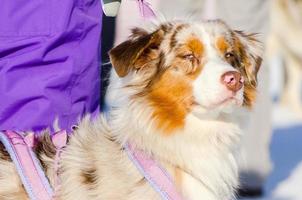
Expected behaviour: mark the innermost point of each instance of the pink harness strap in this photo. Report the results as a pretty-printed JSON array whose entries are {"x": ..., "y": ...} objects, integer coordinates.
[
  {"x": 28, "y": 167},
  {"x": 59, "y": 139},
  {"x": 37, "y": 185},
  {"x": 156, "y": 176}
]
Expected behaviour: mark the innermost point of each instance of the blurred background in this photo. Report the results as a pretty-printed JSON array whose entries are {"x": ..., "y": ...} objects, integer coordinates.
[{"x": 271, "y": 161}]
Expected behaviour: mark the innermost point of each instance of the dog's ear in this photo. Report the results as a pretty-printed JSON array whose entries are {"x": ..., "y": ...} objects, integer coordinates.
[
  {"x": 137, "y": 52},
  {"x": 250, "y": 51}
]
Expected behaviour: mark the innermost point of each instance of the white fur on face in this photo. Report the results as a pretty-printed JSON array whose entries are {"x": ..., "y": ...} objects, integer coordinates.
[{"x": 209, "y": 92}]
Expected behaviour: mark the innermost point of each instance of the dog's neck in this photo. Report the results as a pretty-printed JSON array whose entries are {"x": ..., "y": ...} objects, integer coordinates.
[{"x": 204, "y": 149}]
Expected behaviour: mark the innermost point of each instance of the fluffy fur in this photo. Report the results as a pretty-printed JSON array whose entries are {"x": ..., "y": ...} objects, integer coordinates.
[{"x": 167, "y": 98}]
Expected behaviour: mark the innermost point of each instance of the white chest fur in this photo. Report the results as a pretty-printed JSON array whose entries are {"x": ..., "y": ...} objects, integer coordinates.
[{"x": 203, "y": 150}]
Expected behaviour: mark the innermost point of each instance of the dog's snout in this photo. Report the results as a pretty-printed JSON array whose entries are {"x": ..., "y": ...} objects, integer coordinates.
[{"x": 232, "y": 80}]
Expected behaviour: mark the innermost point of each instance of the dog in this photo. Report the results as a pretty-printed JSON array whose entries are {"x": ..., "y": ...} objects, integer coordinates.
[
  {"x": 179, "y": 93},
  {"x": 284, "y": 41}
]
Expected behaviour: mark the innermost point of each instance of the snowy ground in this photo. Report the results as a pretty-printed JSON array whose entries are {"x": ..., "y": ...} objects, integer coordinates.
[{"x": 285, "y": 181}]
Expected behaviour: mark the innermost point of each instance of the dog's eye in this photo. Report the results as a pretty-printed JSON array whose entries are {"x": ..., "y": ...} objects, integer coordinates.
[
  {"x": 189, "y": 57},
  {"x": 229, "y": 55}
]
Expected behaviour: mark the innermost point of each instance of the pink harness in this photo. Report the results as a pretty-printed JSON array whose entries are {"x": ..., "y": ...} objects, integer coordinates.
[
  {"x": 158, "y": 178},
  {"x": 37, "y": 186},
  {"x": 28, "y": 166}
]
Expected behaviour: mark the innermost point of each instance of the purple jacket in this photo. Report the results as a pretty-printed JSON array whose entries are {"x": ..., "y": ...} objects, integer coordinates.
[{"x": 49, "y": 62}]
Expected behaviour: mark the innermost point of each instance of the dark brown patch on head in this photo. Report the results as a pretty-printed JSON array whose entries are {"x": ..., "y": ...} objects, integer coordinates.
[
  {"x": 136, "y": 53},
  {"x": 4, "y": 154}
]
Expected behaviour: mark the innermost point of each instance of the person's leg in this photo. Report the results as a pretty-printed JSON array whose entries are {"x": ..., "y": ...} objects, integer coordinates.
[{"x": 291, "y": 95}]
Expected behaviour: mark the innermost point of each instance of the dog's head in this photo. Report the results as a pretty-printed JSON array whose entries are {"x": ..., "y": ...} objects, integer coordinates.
[{"x": 183, "y": 68}]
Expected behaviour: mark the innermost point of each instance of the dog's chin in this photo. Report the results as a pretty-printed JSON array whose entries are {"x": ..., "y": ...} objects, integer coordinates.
[
  {"x": 229, "y": 105},
  {"x": 214, "y": 109}
]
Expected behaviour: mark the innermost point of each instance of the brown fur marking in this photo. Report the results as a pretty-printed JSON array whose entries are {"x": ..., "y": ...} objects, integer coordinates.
[
  {"x": 45, "y": 147},
  {"x": 4, "y": 154},
  {"x": 247, "y": 62},
  {"x": 89, "y": 176},
  {"x": 173, "y": 40},
  {"x": 135, "y": 52},
  {"x": 172, "y": 100},
  {"x": 222, "y": 45}
]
